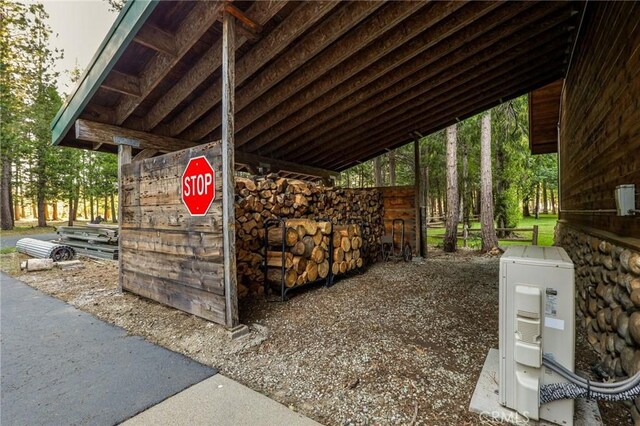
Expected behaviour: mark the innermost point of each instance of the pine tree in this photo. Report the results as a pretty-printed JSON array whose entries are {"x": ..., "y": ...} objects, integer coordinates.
[
  {"x": 451, "y": 235},
  {"x": 488, "y": 231}
]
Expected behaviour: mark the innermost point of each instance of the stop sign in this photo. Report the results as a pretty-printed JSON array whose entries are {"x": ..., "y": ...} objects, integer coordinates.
[{"x": 198, "y": 186}]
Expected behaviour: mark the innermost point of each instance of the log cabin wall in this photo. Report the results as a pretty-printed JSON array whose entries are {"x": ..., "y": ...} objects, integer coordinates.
[
  {"x": 599, "y": 149},
  {"x": 600, "y": 119},
  {"x": 400, "y": 203},
  {"x": 168, "y": 255}
]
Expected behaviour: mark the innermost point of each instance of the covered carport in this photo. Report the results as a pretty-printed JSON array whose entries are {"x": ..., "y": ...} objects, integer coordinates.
[{"x": 299, "y": 88}]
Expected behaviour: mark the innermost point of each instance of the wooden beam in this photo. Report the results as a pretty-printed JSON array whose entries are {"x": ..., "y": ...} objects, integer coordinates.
[
  {"x": 371, "y": 43},
  {"x": 124, "y": 157},
  {"x": 123, "y": 83},
  {"x": 194, "y": 26},
  {"x": 301, "y": 19},
  {"x": 435, "y": 92},
  {"x": 460, "y": 95},
  {"x": 100, "y": 133},
  {"x": 469, "y": 106},
  {"x": 328, "y": 31},
  {"x": 490, "y": 36},
  {"x": 274, "y": 165},
  {"x": 260, "y": 12},
  {"x": 243, "y": 19},
  {"x": 156, "y": 39},
  {"x": 228, "y": 167},
  {"x": 423, "y": 30}
]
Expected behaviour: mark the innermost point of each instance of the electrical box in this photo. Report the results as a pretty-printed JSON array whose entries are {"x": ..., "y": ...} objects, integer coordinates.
[
  {"x": 537, "y": 316},
  {"x": 625, "y": 199}
]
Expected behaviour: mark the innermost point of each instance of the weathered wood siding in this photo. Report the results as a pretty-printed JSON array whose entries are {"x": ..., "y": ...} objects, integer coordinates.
[
  {"x": 400, "y": 203},
  {"x": 168, "y": 255},
  {"x": 600, "y": 118}
]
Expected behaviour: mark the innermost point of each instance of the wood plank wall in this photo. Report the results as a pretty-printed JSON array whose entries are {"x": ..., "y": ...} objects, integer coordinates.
[
  {"x": 400, "y": 203},
  {"x": 600, "y": 118},
  {"x": 168, "y": 255}
]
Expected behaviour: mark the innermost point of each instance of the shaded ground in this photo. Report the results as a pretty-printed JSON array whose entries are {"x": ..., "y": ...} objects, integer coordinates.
[{"x": 401, "y": 344}]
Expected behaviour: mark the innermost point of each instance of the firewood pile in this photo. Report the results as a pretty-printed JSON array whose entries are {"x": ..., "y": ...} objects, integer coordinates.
[
  {"x": 306, "y": 252},
  {"x": 271, "y": 197}
]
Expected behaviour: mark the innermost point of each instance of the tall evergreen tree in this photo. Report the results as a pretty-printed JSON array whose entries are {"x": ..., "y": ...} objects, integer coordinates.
[
  {"x": 488, "y": 231},
  {"x": 451, "y": 235}
]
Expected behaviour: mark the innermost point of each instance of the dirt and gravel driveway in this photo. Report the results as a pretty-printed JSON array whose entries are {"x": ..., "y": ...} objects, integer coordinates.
[{"x": 401, "y": 344}]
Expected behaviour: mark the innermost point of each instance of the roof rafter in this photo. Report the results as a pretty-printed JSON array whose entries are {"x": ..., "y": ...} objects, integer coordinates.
[
  {"x": 196, "y": 24},
  {"x": 123, "y": 83},
  {"x": 510, "y": 49},
  {"x": 479, "y": 41},
  {"x": 260, "y": 12},
  {"x": 322, "y": 36},
  {"x": 468, "y": 106},
  {"x": 432, "y": 101},
  {"x": 372, "y": 40},
  {"x": 272, "y": 44},
  {"x": 156, "y": 39}
]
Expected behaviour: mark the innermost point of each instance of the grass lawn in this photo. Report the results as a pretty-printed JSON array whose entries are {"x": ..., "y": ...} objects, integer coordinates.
[
  {"x": 546, "y": 225},
  {"x": 30, "y": 227}
]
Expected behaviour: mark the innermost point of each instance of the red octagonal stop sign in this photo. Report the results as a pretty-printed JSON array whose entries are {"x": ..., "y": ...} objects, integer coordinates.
[{"x": 198, "y": 186}]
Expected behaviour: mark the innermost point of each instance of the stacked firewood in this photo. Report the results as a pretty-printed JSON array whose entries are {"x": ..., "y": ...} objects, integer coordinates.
[
  {"x": 306, "y": 252},
  {"x": 347, "y": 245},
  {"x": 271, "y": 197}
]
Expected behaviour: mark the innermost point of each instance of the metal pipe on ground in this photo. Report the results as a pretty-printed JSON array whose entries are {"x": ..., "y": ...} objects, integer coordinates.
[{"x": 45, "y": 249}]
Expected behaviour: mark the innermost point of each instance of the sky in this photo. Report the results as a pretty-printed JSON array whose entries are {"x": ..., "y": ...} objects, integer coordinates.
[{"x": 80, "y": 25}]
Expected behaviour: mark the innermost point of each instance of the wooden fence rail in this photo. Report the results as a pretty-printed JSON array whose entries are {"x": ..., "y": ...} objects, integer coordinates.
[{"x": 465, "y": 234}]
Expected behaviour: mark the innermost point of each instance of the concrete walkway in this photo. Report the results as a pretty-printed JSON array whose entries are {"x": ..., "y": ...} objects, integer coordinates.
[
  {"x": 219, "y": 401},
  {"x": 61, "y": 366}
]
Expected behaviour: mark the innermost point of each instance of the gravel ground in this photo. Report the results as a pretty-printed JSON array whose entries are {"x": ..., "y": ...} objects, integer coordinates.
[{"x": 401, "y": 344}]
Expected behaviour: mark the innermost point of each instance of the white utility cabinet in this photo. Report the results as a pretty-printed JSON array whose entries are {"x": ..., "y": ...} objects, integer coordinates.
[{"x": 537, "y": 315}]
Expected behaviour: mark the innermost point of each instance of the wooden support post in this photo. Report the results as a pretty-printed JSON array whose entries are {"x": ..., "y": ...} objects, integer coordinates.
[
  {"x": 124, "y": 157},
  {"x": 534, "y": 238},
  {"x": 418, "y": 190},
  {"x": 228, "y": 168}
]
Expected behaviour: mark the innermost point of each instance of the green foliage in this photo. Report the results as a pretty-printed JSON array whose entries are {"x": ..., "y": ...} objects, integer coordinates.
[{"x": 7, "y": 250}]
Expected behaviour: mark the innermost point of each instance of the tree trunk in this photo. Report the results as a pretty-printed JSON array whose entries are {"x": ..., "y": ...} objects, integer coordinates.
[
  {"x": 70, "y": 219},
  {"x": 114, "y": 215},
  {"x": 545, "y": 203},
  {"x": 106, "y": 208},
  {"x": 392, "y": 168},
  {"x": 537, "y": 208},
  {"x": 76, "y": 200},
  {"x": 553, "y": 201},
  {"x": 84, "y": 208},
  {"x": 451, "y": 235},
  {"x": 6, "y": 214},
  {"x": 93, "y": 217},
  {"x": 54, "y": 209},
  {"x": 16, "y": 209},
  {"x": 465, "y": 206},
  {"x": 377, "y": 172},
  {"x": 42, "y": 209},
  {"x": 488, "y": 231},
  {"x": 525, "y": 206}
]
